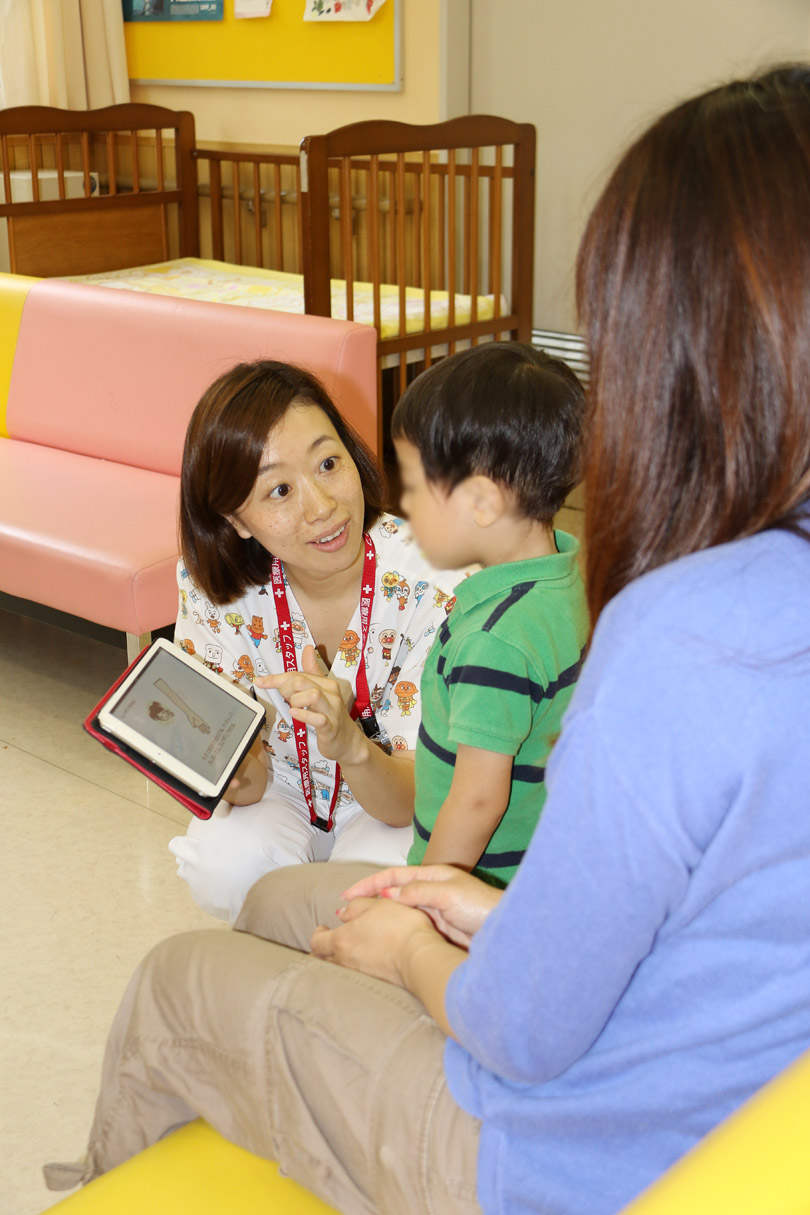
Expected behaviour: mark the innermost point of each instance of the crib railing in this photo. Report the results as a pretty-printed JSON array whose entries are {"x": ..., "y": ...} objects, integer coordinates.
[
  {"x": 133, "y": 162},
  {"x": 254, "y": 214},
  {"x": 449, "y": 210}
]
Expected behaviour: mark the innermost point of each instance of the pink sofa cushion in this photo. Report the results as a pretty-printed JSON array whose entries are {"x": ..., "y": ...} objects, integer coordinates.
[
  {"x": 88, "y": 537},
  {"x": 116, "y": 374}
]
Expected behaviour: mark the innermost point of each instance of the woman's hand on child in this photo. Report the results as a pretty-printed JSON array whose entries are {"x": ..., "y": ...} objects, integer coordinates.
[
  {"x": 397, "y": 944},
  {"x": 374, "y": 937},
  {"x": 322, "y": 701},
  {"x": 456, "y": 902}
]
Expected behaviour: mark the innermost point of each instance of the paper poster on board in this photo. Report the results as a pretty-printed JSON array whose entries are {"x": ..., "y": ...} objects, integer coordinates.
[
  {"x": 341, "y": 10},
  {"x": 252, "y": 8},
  {"x": 173, "y": 10}
]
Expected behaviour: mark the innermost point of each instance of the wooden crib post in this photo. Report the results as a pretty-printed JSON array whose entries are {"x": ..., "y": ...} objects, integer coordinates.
[
  {"x": 315, "y": 225},
  {"x": 187, "y": 185},
  {"x": 523, "y": 232}
]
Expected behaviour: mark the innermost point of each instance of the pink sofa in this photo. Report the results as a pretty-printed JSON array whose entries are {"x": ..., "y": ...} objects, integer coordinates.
[{"x": 102, "y": 386}]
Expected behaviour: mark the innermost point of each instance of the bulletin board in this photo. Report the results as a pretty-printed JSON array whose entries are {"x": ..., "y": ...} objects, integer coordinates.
[{"x": 281, "y": 51}]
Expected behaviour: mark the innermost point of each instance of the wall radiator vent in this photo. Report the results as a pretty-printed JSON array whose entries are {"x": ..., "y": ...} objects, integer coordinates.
[{"x": 569, "y": 347}]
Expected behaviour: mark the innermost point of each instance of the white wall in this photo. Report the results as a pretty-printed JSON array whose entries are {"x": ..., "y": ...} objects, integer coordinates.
[{"x": 590, "y": 75}]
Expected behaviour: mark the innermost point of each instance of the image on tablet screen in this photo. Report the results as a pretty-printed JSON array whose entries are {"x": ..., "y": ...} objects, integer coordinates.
[{"x": 184, "y": 714}]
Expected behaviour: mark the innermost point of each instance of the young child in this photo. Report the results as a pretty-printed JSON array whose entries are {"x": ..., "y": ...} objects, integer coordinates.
[{"x": 488, "y": 448}]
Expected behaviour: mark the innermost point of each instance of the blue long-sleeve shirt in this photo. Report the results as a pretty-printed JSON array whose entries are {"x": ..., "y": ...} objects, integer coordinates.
[{"x": 649, "y": 967}]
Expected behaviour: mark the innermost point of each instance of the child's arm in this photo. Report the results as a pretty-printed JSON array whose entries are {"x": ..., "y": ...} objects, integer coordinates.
[{"x": 478, "y": 797}]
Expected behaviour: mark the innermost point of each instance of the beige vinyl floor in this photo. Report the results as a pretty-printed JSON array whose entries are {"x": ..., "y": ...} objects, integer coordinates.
[{"x": 87, "y": 886}]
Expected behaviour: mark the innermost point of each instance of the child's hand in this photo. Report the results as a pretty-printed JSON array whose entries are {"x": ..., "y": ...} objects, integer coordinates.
[{"x": 456, "y": 902}]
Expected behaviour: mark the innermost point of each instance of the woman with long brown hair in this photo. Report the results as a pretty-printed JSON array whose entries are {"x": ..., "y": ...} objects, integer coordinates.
[
  {"x": 648, "y": 968},
  {"x": 694, "y": 282}
]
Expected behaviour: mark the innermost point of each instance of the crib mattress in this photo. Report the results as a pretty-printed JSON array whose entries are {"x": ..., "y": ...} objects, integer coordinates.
[{"x": 223, "y": 283}]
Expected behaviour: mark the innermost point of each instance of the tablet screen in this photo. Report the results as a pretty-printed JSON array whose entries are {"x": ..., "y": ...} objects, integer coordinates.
[{"x": 185, "y": 715}]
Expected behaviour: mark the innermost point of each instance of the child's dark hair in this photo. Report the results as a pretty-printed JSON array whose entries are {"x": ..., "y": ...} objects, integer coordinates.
[{"x": 503, "y": 410}]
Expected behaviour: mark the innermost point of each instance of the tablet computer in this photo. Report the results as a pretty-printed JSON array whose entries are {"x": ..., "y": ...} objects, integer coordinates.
[{"x": 182, "y": 717}]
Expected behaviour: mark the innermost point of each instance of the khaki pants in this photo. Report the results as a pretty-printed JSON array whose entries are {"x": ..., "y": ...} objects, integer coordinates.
[{"x": 337, "y": 1076}]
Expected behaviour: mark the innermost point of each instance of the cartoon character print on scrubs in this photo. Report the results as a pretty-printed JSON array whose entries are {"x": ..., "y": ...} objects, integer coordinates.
[
  {"x": 402, "y": 593},
  {"x": 213, "y": 658},
  {"x": 387, "y": 639},
  {"x": 212, "y": 617},
  {"x": 243, "y": 668},
  {"x": 350, "y": 648},
  {"x": 405, "y": 692},
  {"x": 389, "y": 583},
  {"x": 186, "y": 592},
  {"x": 256, "y": 630}
]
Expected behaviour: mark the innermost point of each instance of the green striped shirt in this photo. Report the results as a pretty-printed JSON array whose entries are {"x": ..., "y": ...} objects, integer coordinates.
[{"x": 499, "y": 677}]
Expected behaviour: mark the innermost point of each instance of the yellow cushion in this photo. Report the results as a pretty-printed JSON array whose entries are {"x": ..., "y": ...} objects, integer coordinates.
[
  {"x": 757, "y": 1162},
  {"x": 193, "y": 1170},
  {"x": 13, "y": 290},
  {"x": 754, "y": 1162}
]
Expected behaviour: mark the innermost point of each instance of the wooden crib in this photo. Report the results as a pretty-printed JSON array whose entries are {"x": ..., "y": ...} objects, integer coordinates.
[{"x": 426, "y": 232}]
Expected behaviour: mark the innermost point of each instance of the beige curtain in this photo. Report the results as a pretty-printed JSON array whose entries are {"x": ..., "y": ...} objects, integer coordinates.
[{"x": 67, "y": 53}]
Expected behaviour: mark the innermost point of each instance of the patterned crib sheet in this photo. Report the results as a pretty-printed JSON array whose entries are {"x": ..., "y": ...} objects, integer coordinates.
[{"x": 223, "y": 283}]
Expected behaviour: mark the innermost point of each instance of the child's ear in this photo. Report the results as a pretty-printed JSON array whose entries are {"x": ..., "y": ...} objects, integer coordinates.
[{"x": 487, "y": 501}]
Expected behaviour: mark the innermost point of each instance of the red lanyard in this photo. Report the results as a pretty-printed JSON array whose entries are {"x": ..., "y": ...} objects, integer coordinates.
[{"x": 362, "y": 704}]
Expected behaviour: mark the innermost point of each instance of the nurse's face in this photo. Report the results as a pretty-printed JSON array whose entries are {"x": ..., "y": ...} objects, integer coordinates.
[{"x": 307, "y": 506}]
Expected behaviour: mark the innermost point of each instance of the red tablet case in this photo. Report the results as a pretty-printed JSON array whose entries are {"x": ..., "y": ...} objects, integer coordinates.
[{"x": 202, "y": 807}]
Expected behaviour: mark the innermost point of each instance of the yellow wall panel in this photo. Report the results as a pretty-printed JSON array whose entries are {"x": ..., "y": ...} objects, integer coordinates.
[{"x": 279, "y": 49}]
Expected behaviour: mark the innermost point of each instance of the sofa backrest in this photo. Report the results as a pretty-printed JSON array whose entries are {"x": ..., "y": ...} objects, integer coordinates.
[{"x": 116, "y": 374}]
